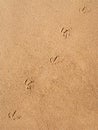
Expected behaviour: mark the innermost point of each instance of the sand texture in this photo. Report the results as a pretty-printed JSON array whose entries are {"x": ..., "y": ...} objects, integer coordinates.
[{"x": 48, "y": 64}]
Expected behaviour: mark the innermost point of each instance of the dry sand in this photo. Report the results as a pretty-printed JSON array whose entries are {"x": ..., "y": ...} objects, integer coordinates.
[{"x": 48, "y": 64}]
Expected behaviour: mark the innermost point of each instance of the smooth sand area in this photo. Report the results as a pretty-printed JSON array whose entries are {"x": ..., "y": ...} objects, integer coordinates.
[{"x": 48, "y": 64}]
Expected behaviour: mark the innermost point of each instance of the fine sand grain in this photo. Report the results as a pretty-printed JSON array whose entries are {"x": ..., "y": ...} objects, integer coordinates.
[{"x": 48, "y": 64}]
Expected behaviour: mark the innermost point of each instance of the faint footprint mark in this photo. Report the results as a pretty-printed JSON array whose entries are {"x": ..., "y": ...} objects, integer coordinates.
[
  {"x": 29, "y": 83},
  {"x": 13, "y": 115},
  {"x": 85, "y": 9},
  {"x": 56, "y": 59},
  {"x": 66, "y": 32}
]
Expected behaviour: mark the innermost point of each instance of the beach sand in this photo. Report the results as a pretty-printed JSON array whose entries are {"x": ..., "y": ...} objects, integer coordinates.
[{"x": 48, "y": 64}]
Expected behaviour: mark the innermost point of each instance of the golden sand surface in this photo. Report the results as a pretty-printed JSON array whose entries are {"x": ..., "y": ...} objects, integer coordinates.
[{"x": 48, "y": 64}]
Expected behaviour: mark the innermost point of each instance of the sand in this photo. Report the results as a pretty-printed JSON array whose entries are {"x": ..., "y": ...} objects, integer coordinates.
[{"x": 48, "y": 65}]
